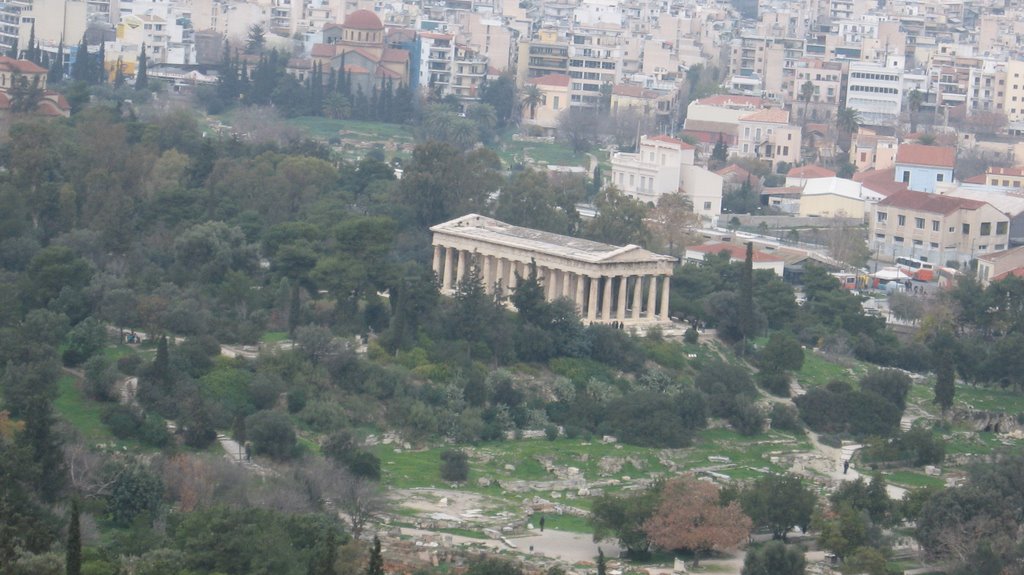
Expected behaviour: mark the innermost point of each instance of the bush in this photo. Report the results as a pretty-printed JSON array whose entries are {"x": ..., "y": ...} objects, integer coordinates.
[
  {"x": 786, "y": 418},
  {"x": 551, "y": 432},
  {"x": 747, "y": 419},
  {"x": 454, "y": 465},
  {"x": 892, "y": 384},
  {"x": 296, "y": 400},
  {"x": 122, "y": 421},
  {"x": 130, "y": 364},
  {"x": 691, "y": 336},
  {"x": 364, "y": 464},
  {"x": 271, "y": 433},
  {"x": 775, "y": 383}
]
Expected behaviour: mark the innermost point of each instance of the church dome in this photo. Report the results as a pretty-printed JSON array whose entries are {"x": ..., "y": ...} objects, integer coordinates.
[{"x": 363, "y": 20}]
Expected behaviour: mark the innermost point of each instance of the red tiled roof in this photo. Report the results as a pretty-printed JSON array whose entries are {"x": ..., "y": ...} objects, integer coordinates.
[
  {"x": 356, "y": 69},
  {"x": 728, "y": 100},
  {"x": 394, "y": 55},
  {"x": 735, "y": 252},
  {"x": 931, "y": 203},
  {"x": 737, "y": 169},
  {"x": 1016, "y": 272},
  {"x": 20, "y": 66},
  {"x": 551, "y": 80},
  {"x": 670, "y": 140},
  {"x": 363, "y": 20},
  {"x": 881, "y": 181},
  {"x": 1000, "y": 171},
  {"x": 979, "y": 179},
  {"x": 809, "y": 172},
  {"x": 771, "y": 115},
  {"x": 322, "y": 51},
  {"x": 921, "y": 155}
]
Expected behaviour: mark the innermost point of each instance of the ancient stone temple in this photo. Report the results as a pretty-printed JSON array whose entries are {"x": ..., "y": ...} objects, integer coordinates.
[{"x": 628, "y": 284}]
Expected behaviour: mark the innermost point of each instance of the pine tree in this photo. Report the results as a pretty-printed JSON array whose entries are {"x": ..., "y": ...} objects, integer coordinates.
[
  {"x": 376, "y": 566},
  {"x": 142, "y": 73},
  {"x": 602, "y": 565},
  {"x": 56, "y": 73},
  {"x": 73, "y": 553},
  {"x": 720, "y": 153}
]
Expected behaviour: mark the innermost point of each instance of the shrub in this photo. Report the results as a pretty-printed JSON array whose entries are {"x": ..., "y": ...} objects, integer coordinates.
[
  {"x": 747, "y": 419},
  {"x": 129, "y": 364},
  {"x": 296, "y": 400},
  {"x": 775, "y": 383},
  {"x": 454, "y": 465},
  {"x": 271, "y": 434},
  {"x": 551, "y": 432},
  {"x": 691, "y": 336},
  {"x": 122, "y": 420},
  {"x": 786, "y": 418}
]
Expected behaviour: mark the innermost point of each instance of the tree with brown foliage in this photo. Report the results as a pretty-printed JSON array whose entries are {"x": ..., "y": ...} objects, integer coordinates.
[{"x": 691, "y": 516}]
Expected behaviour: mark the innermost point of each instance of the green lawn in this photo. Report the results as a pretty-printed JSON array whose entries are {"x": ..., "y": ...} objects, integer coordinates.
[
  {"x": 274, "y": 336},
  {"x": 818, "y": 371},
  {"x": 554, "y": 154},
  {"x": 326, "y": 128},
  {"x": 562, "y": 523},
  {"x": 906, "y": 478},
  {"x": 81, "y": 412},
  {"x": 990, "y": 398}
]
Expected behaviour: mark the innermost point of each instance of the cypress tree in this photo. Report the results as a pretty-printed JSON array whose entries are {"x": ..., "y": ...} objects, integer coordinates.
[
  {"x": 376, "y": 566},
  {"x": 73, "y": 553},
  {"x": 162, "y": 361},
  {"x": 99, "y": 75},
  {"x": 746, "y": 303},
  {"x": 56, "y": 73},
  {"x": 142, "y": 73},
  {"x": 602, "y": 565},
  {"x": 30, "y": 52},
  {"x": 119, "y": 74}
]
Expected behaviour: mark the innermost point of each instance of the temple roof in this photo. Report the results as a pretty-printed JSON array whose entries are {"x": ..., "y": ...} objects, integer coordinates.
[{"x": 489, "y": 230}]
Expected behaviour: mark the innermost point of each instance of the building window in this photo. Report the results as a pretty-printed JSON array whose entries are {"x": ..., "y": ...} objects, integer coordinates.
[
  {"x": 938, "y": 177},
  {"x": 934, "y": 245},
  {"x": 983, "y": 248},
  {"x": 707, "y": 205},
  {"x": 952, "y": 229},
  {"x": 901, "y": 220},
  {"x": 967, "y": 229},
  {"x": 897, "y": 239},
  {"x": 919, "y": 223},
  {"x": 554, "y": 103},
  {"x": 1001, "y": 228},
  {"x": 631, "y": 180},
  {"x": 906, "y": 176},
  {"x": 918, "y": 243},
  {"x": 882, "y": 217},
  {"x": 1000, "y": 247},
  {"x": 880, "y": 237},
  {"x": 986, "y": 229}
]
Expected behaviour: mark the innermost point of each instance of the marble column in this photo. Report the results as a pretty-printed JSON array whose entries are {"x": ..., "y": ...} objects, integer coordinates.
[
  {"x": 620, "y": 312},
  {"x": 592, "y": 302},
  {"x": 437, "y": 260},
  {"x": 638, "y": 303},
  {"x": 550, "y": 283},
  {"x": 566, "y": 284},
  {"x": 463, "y": 260},
  {"x": 663, "y": 312},
  {"x": 488, "y": 278},
  {"x": 449, "y": 260},
  {"x": 513, "y": 282},
  {"x": 580, "y": 280},
  {"x": 606, "y": 301},
  {"x": 652, "y": 296}
]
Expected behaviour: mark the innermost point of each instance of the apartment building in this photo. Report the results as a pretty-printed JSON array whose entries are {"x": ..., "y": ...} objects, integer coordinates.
[
  {"x": 554, "y": 89},
  {"x": 873, "y": 152},
  {"x": 936, "y": 227},
  {"x": 771, "y": 61},
  {"x": 53, "y": 20},
  {"x": 1005, "y": 177},
  {"x": 876, "y": 92},
  {"x": 594, "y": 60},
  {"x": 1013, "y": 102},
  {"x": 545, "y": 54},
  {"x": 827, "y": 80}
]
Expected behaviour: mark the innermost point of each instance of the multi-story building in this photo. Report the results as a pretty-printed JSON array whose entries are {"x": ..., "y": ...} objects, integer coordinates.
[
  {"x": 1013, "y": 101},
  {"x": 657, "y": 107},
  {"x": 871, "y": 151},
  {"x": 545, "y": 54},
  {"x": 664, "y": 165},
  {"x": 595, "y": 60},
  {"x": 986, "y": 88},
  {"x": 937, "y": 228},
  {"x": 827, "y": 80},
  {"x": 875, "y": 92},
  {"x": 543, "y": 117},
  {"x": 767, "y": 136},
  {"x": 52, "y": 21},
  {"x": 469, "y": 70},
  {"x": 1005, "y": 177},
  {"x": 922, "y": 167},
  {"x": 771, "y": 60}
]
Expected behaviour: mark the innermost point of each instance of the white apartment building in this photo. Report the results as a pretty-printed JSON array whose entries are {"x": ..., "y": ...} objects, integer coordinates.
[
  {"x": 594, "y": 60},
  {"x": 665, "y": 165},
  {"x": 876, "y": 92}
]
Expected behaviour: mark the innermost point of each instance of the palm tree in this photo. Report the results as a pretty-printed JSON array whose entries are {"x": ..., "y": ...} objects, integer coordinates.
[
  {"x": 914, "y": 101},
  {"x": 532, "y": 97},
  {"x": 848, "y": 120},
  {"x": 806, "y": 93}
]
